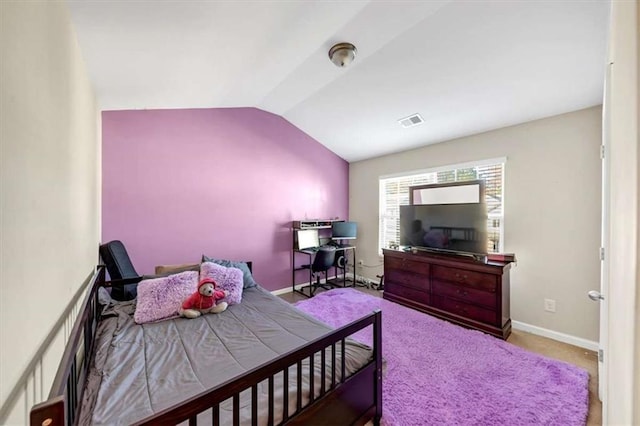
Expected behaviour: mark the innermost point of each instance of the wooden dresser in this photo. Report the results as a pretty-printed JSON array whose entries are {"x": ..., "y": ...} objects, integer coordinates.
[{"x": 455, "y": 288}]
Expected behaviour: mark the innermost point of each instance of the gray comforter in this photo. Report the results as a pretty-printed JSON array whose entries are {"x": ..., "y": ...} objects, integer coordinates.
[{"x": 139, "y": 370}]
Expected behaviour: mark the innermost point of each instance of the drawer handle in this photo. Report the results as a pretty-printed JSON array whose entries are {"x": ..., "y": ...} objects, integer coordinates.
[
  {"x": 461, "y": 278},
  {"x": 462, "y": 292}
]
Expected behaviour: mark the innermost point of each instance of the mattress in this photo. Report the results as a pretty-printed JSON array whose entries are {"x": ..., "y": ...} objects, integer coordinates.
[{"x": 138, "y": 370}]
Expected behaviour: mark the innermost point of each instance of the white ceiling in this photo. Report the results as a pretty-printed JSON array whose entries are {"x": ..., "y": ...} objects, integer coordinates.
[{"x": 465, "y": 66}]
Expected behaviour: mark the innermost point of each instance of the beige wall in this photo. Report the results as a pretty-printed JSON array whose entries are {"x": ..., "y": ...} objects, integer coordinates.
[
  {"x": 552, "y": 211},
  {"x": 50, "y": 176}
]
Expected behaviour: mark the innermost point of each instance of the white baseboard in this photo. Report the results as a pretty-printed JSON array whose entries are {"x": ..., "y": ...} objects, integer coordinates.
[
  {"x": 282, "y": 291},
  {"x": 288, "y": 289},
  {"x": 555, "y": 335}
]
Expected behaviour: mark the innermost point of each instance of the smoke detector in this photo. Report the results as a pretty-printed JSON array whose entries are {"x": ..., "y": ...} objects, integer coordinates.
[{"x": 410, "y": 121}]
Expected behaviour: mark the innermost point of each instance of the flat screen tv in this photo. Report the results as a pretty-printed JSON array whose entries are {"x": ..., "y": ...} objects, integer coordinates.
[
  {"x": 344, "y": 230},
  {"x": 445, "y": 227},
  {"x": 444, "y": 219}
]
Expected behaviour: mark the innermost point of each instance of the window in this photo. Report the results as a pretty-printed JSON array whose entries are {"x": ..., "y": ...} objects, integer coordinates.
[{"x": 394, "y": 192}]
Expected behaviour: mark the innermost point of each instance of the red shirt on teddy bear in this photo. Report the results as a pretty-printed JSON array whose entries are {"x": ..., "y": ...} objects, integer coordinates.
[{"x": 203, "y": 301}]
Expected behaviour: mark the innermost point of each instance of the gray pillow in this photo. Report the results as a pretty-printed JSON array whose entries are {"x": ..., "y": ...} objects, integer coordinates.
[{"x": 247, "y": 278}]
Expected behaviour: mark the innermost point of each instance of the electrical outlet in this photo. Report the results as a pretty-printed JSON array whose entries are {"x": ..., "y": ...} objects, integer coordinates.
[{"x": 549, "y": 305}]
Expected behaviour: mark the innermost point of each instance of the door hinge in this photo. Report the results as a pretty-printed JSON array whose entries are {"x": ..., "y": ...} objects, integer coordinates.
[
  {"x": 601, "y": 253},
  {"x": 600, "y": 355},
  {"x": 602, "y": 152}
]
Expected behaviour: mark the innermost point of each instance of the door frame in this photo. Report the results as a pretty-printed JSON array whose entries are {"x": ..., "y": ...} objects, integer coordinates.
[{"x": 622, "y": 385}]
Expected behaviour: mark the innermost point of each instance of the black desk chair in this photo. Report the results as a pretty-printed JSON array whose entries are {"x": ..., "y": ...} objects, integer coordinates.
[
  {"x": 119, "y": 266},
  {"x": 323, "y": 261}
]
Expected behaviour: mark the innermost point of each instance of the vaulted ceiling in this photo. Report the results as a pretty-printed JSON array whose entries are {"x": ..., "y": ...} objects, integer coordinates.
[{"x": 464, "y": 66}]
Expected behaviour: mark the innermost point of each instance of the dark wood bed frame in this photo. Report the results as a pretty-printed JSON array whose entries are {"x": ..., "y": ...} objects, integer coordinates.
[{"x": 353, "y": 400}]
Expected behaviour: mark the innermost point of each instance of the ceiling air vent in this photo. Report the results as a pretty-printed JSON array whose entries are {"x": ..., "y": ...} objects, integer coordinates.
[{"x": 410, "y": 121}]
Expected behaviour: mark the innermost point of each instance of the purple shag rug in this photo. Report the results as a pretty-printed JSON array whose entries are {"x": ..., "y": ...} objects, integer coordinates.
[{"x": 438, "y": 373}]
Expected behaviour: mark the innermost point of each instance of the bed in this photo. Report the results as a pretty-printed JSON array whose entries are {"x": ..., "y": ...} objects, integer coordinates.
[{"x": 261, "y": 362}]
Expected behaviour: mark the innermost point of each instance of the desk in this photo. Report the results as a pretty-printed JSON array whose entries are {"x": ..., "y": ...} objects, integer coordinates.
[{"x": 310, "y": 254}]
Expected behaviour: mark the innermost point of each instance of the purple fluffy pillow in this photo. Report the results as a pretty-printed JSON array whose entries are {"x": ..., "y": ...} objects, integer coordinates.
[
  {"x": 160, "y": 298},
  {"x": 229, "y": 279}
]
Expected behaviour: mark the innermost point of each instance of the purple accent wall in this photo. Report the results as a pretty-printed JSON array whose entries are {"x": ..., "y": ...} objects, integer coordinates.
[{"x": 223, "y": 182}]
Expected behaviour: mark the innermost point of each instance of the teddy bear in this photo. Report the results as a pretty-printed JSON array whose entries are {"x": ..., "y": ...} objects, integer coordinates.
[{"x": 204, "y": 300}]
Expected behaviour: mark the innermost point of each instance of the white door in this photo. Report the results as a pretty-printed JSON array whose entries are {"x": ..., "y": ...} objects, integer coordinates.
[{"x": 601, "y": 296}]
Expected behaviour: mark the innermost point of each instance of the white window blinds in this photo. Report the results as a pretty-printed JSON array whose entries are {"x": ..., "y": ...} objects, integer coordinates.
[{"x": 394, "y": 192}]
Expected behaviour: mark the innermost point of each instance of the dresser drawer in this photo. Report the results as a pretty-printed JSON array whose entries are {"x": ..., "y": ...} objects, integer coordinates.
[
  {"x": 465, "y": 294},
  {"x": 406, "y": 265},
  {"x": 418, "y": 296},
  {"x": 408, "y": 279},
  {"x": 465, "y": 310},
  {"x": 472, "y": 279}
]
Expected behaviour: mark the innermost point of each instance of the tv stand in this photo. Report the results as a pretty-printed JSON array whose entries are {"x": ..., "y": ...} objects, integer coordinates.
[{"x": 460, "y": 289}]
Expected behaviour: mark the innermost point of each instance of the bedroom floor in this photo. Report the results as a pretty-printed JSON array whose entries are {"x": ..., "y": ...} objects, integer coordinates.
[{"x": 583, "y": 358}]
